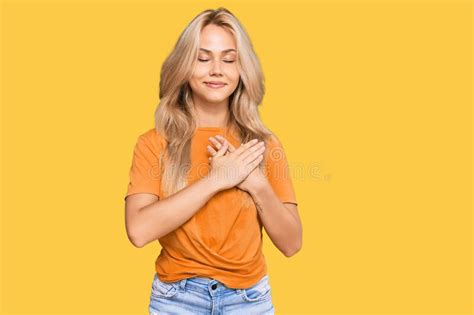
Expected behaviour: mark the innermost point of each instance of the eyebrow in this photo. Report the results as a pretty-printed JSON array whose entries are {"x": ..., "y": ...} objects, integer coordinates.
[{"x": 224, "y": 51}]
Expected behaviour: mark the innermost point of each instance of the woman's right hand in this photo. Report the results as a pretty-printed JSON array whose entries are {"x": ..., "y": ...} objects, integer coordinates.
[{"x": 229, "y": 169}]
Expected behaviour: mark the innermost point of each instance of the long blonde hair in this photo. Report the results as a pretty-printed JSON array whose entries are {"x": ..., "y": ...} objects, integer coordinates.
[{"x": 175, "y": 116}]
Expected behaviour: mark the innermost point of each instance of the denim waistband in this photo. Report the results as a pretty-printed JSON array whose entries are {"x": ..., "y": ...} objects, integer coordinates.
[
  {"x": 206, "y": 286},
  {"x": 210, "y": 285},
  {"x": 203, "y": 280}
]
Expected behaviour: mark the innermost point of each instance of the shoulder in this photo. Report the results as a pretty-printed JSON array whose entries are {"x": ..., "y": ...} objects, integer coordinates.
[
  {"x": 273, "y": 142},
  {"x": 151, "y": 139},
  {"x": 274, "y": 149}
]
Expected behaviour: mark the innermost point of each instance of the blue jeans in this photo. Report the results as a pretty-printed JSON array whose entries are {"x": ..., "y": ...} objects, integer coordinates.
[{"x": 199, "y": 295}]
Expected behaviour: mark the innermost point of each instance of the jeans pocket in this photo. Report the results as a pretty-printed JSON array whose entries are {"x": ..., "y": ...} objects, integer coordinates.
[
  {"x": 163, "y": 289},
  {"x": 258, "y": 292}
]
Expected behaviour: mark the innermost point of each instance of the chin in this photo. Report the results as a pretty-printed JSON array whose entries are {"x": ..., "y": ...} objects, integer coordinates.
[
  {"x": 215, "y": 100},
  {"x": 210, "y": 97}
]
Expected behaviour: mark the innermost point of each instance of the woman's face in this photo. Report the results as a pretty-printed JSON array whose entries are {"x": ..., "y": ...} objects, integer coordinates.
[{"x": 217, "y": 61}]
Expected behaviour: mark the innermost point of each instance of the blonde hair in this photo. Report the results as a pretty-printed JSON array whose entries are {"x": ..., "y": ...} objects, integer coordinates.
[{"x": 175, "y": 116}]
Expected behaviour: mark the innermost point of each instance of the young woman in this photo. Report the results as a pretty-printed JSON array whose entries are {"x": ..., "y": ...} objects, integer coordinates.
[{"x": 209, "y": 176}]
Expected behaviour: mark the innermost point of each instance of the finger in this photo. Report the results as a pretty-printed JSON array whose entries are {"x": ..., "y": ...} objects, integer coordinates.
[
  {"x": 211, "y": 150},
  {"x": 222, "y": 150},
  {"x": 252, "y": 165},
  {"x": 221, "y": 139},
  {"x": 245, "y": 146},
  {"x": 250, "y": 156},
  {"x": 219, "y": 142},
  {"x": 252, "y": 149},
  {"x": 215, "y": 142}
]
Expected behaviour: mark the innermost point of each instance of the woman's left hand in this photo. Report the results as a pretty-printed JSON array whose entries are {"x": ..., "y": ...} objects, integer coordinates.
[{"x": 253, "y": 181}]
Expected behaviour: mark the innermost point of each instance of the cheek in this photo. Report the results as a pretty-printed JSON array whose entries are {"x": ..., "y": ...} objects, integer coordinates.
[
  {"x": 234, "y": 77},
  {"x": 197, "y": 78},
  {"x": 199, "y": 72}
]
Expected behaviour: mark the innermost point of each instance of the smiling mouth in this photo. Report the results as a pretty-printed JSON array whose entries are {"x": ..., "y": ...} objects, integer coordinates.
[{"x": 214, "y": 85}]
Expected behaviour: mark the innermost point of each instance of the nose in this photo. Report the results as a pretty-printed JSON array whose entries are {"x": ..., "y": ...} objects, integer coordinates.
[{"x": 215, "y": 68}]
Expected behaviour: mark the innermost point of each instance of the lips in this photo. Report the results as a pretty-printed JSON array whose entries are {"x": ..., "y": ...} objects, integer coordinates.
[{"x": 213, "y": 84}]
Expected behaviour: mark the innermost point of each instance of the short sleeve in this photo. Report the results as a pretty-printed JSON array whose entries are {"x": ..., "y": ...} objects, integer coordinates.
[
  {"x": 145, "y": 171},
  {"x": 277, "y": 171}
]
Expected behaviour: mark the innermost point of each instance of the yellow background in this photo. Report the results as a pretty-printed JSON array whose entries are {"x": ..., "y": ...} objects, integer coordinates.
[{"x": 371, "y": 99}]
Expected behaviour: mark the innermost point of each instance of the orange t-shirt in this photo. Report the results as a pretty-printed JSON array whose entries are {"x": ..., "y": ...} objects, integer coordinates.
[{"x": 223, "y": 239}]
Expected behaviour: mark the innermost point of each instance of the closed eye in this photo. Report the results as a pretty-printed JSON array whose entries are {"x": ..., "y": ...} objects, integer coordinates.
[{"x": 228, "y": 61}]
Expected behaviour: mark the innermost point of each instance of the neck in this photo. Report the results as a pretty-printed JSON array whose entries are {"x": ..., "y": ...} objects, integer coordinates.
[{"x": 212, "y": 115}]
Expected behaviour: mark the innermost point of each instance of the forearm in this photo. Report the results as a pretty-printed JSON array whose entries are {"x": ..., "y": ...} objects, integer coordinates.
[
  {"x": 282, "y": 227},
  {"x": 164, "y": 216}
]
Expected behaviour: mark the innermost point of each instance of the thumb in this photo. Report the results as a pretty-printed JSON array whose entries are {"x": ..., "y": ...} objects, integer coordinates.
[{"x": 222, "y": 149}]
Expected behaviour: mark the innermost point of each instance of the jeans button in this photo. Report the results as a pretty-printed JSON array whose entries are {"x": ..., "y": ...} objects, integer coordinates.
[{"x": 214, "y": 286}]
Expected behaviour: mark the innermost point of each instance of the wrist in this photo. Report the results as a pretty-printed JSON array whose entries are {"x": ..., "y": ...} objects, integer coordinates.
[
  {"x": 212, "y": 184},
  {"x": 257, "y": 190}
]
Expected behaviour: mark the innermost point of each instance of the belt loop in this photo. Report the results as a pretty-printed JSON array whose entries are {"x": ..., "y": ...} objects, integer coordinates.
[{"x": 182, "y": 285}]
